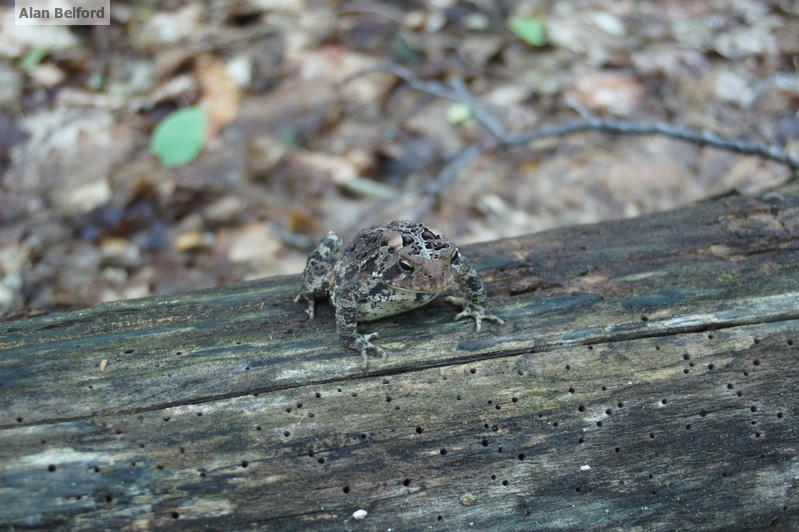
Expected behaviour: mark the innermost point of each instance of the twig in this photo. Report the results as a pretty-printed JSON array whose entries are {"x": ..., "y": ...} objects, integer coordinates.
[
  {"x": 463, "y": 159},
  {"x": 702, "y": 138},
  {"x": 458, "y": 92},
  {"x": 489, "y": 121}
]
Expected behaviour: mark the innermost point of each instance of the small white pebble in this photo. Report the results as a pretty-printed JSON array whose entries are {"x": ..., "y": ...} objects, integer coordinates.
[
  {"x": 585, "y": 467},
  {"x": 359, "y": 514},
  {"x": 467, "y": 499}
]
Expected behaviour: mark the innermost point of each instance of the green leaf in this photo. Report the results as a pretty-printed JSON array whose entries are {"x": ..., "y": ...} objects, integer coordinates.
[
  {"x": 362, "y": 186},
  {"x": 95, "y": 81},
  {"x": 458, "y": 113},
  {"x": 404, "y": 50},
  {"x": 529, "y": 29},
  {"x": 34, "y": 57},
  {"x": 179, "y": 137},
  {"x": 290, "y": 137}
]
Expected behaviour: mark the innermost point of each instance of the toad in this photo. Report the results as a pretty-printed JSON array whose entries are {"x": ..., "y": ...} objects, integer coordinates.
[{"x": 387, "y": 270}]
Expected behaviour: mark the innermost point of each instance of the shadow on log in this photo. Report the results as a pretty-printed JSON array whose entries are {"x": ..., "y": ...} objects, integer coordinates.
[{"x": 648, "y": 379}]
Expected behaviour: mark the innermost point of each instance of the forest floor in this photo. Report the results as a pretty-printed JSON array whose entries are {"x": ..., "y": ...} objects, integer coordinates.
[{"x": 295, "y": 146}]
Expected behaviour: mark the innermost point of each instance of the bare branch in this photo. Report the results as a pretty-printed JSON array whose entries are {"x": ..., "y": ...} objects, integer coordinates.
[
  {"x": 429, "y": 87},
  {"x": 463, "y": 159},
  {"x": 702, "y": 138},
  {"x": 489, "y": 121},
  {"x": 457, "y": 91}
]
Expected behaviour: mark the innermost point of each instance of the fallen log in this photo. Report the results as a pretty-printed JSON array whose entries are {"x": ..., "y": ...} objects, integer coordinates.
[{"x": 648, "y": 378}]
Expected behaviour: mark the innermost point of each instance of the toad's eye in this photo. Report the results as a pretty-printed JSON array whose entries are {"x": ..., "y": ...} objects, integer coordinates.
[{"x": 405, "y": 266}]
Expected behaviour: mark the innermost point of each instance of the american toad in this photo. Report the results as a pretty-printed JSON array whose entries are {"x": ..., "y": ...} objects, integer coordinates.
[{"x": 386, "y": 270}]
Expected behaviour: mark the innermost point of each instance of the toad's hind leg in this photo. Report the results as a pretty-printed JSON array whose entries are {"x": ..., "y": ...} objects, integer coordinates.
[{"x": 316, "y": 278}]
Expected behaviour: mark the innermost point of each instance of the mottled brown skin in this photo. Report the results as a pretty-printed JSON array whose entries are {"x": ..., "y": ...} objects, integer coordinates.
[{"x": 386, "y": 270}]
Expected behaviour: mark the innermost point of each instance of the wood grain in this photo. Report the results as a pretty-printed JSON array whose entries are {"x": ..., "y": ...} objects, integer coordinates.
[{"x": 659, "y": 352}]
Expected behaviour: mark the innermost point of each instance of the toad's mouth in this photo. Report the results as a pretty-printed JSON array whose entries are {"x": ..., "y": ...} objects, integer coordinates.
[{"x": 417, "y": 291}]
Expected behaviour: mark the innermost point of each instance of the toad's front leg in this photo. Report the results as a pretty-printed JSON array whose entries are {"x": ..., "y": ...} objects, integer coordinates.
[
  {"x": 347, "y": 327},
  {"x": 474, "y": 304}
]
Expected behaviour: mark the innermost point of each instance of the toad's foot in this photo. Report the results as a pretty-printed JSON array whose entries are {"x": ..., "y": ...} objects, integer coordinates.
[
  {"x": 311, "y": 303},
  {"x": 473, "y": 310},
  {"x": 363, "y": 345}
]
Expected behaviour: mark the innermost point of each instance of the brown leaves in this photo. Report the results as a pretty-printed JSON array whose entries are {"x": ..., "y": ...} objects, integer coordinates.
[
  {"x": 219, "y": 95},
  {"x": 296, "y": 146},
  {"x": 607, "y": 92}
]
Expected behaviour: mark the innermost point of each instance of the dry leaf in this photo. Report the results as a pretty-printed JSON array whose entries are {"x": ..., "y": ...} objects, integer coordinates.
[
  {"x": 219, "y": 94},
  {"x": 607, "y": 92},
  {"x": 191, "y": 242}
]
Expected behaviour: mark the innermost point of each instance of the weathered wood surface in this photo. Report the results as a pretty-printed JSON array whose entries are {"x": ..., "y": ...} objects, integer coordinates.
[{"x": 660, "y": 352}]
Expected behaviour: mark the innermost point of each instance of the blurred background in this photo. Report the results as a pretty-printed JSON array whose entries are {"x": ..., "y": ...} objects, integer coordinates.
[{"x": 194, "y": 143}]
